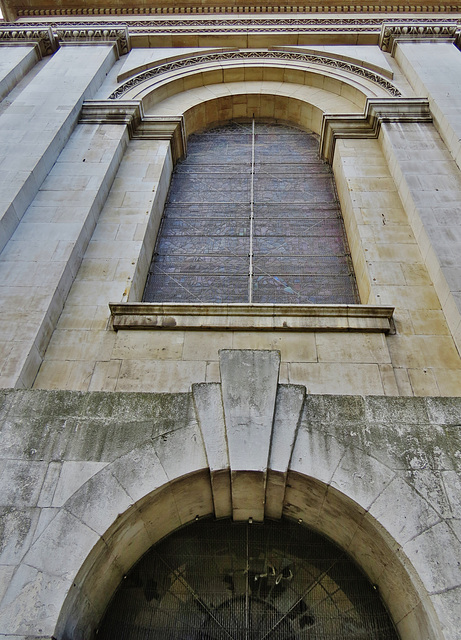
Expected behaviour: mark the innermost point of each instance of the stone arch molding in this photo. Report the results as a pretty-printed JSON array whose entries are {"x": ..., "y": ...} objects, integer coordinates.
[
  {"x": 249, "y": 447},
  {"x": 253, "y": 64}
]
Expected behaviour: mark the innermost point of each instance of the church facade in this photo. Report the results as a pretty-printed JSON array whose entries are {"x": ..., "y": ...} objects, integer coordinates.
[{"x": 298, "y": 363}]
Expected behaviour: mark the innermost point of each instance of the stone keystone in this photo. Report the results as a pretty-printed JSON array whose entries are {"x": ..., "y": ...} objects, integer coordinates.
[{"x": 249, "y": 388}]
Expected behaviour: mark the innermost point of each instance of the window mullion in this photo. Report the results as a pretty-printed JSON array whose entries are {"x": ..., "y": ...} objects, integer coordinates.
[{"x": 252, "y": 178}]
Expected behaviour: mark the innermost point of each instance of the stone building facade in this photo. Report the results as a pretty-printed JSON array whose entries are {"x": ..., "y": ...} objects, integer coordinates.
[{"x": 124, "y": 420}]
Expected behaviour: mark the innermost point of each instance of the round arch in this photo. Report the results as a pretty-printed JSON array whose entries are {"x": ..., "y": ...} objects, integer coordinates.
[
  {"x": 290, "y": 109},
  {"x": 292, "y": 104},
  {"x": 287, "y": 98},
  {"x": 307, "y": 501},
  {"x": 252, "y": 66},
  {"x": 225, "y": 579}
]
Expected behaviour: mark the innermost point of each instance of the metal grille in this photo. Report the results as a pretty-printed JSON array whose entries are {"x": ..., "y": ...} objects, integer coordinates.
[
  {"x": 221, "y": 581},
  {"x": 252, "y": 216}
]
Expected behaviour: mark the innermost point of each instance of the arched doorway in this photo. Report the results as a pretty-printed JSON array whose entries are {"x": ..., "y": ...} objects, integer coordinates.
[
  {"x": 218, "y": 580},
  {"x": 308, "y": 503}
]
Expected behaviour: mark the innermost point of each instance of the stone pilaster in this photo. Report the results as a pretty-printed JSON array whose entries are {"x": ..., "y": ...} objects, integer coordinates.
[
  {"x": 15, "y": 62},
  {"x": 430, "y": 188},
  {"x": 41, "y": 260},
  {"x": 37, "y": 125}
]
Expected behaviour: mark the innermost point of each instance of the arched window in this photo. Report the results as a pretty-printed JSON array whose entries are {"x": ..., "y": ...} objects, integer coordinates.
[
  {"x": 240, "y": 581},
  {"x": 252, "y": 217}
]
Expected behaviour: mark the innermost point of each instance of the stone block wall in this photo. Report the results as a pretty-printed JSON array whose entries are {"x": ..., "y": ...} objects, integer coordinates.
[
  {"x": 93, "y": 479},
  {"x": 110, "y": 440},
  {"x": 85, "y": 235}
]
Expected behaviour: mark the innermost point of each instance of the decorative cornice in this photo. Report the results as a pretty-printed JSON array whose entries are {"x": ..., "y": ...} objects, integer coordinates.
[
  {"x": 47, "y": 33},
  {"x": 203, "y": 9},
  {"x": 252, "y": 317},
  {"x": 377, "y": 111},
  {"x": 225, "y": 56},
  {"x": 249, "y": 22},
  {"x": 131, "y": 114},
  {"x": 118, "y": 34},
  {"x": 188, "y": 27},
  {"x": 415, "y": 32},
  {"x": 43, "y": 37}
]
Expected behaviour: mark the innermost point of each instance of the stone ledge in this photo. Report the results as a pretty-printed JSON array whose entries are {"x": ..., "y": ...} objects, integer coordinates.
[{"x": 254, "y": 317}]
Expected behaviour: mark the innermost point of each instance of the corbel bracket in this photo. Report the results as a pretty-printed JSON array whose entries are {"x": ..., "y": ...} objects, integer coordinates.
[
  {"x": 391, "y": 34},
  {"x": 140, "y": 126},
  {"x": 368, "y": 124}
]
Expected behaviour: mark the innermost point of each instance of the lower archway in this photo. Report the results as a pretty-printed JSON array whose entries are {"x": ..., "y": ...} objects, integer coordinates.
[
  {"x": 217, "y": 580},
  {"x": 308, "y": 503}
]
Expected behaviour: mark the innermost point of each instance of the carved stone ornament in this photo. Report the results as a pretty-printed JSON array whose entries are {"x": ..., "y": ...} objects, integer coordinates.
[
  {"x": 117, "y": 34},
  {"x": 41, "y": 36},
  {"x": 415, "y": 32},
  {"x": 224, "y": 56},
  {"x": 48, "y": 38}
]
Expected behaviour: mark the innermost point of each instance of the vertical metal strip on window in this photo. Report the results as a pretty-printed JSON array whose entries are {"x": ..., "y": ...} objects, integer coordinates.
[{"x": 252, "y": 213}]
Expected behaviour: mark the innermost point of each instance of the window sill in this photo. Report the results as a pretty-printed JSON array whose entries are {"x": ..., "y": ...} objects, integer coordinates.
[{"x": 251, "y": 317}]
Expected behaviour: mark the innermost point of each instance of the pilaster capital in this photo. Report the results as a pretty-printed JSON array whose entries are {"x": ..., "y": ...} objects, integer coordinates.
[
  {"x": 393, "y": 33},
  {"x": 87, "y": 34},
  {"x": 131, "y": 114},
  {"x": 368, "y": 124},
  {"x": 42, "y": 37}
]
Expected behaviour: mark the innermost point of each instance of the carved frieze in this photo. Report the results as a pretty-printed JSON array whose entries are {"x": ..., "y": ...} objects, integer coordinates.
[
  {"x": 187, "y": 23},
  {"x": 198, "y": 8},
  {"x": 388, "y": 30}
]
